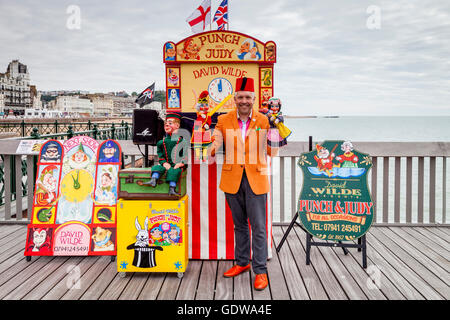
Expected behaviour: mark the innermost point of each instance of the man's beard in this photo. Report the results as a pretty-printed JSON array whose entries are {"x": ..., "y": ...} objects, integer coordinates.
[{"x": 49, "y": 186}]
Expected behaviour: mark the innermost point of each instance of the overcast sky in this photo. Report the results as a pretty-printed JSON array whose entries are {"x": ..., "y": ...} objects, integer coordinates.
[{"x": 347, "y": 57}]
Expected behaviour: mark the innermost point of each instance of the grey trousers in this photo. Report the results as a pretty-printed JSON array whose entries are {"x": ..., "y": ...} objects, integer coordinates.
[{"x": 246, "y": 206}]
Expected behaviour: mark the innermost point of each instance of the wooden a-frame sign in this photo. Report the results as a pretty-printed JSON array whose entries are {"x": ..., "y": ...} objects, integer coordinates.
[{"x": 335, "y": 203}]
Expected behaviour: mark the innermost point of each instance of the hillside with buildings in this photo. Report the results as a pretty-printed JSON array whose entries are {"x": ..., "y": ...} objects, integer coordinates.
[{"x": 18, "y": 98}]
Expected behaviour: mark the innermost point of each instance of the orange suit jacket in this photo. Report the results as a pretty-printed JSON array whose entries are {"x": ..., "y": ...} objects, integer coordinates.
[{"x": 250, "y": 154}]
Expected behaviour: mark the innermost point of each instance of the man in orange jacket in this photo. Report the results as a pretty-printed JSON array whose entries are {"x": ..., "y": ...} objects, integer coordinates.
[{"x": 243, "y": 133}]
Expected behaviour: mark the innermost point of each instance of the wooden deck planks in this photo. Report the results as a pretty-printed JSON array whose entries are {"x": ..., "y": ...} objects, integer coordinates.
[
  {"x": 152, "y": 287},
  {"x": 207, "y": 281},
  {"x": 69, "y": 281},
  {"x": 277, "y": 284},
  {"x": 325, "y": 274},
  {"x": 418, "y": 237},
  {"x": 334, "y": 258},
  {"x": 403, "y": 263},
  {"x": 41, "y": 270},
  {"x": 435, "y": 254},
  {"x": 381, "y": 244},
  {"x": 292, "y": 276},
  {"x": 52, "y": 279},
  {"x": 312, "y": 282},
  {"x": 135, "y": 283},
  {"x": 393, "y": 269},
  {"x": 377, "y": 285},
  {"x": 102, "y": 281},
  {"x": 188, "y": 286},
  {"x": 224, "y": 286},
  {"x": 115, "y": 288},
  {"x": 420, "y": 266},
  {"x": 170, "y": 287}
]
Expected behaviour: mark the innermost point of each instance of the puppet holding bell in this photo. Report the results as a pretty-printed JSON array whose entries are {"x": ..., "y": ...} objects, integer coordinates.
[
  {"x": 278, "y": 132},
  {"x": 201, "y": 133}
]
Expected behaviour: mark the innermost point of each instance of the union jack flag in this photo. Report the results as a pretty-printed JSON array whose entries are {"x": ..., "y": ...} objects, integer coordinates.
[{"x": 221, "y": 16}]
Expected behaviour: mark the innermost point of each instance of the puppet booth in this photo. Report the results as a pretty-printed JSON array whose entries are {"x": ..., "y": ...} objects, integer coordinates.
[{"x": 201, "y": 73}]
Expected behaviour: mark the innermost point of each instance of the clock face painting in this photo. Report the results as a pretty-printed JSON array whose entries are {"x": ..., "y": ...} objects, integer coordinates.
[
  {"x": 219, "y": 89},
  {"x": 73, "y": 191},
  {"x": 77, "y": 185}
]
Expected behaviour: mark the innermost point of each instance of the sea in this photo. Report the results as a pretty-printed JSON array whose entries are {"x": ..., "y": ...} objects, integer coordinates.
[
  {"x": 375, "y": 128},
  {"x": 371, "y": 128}
]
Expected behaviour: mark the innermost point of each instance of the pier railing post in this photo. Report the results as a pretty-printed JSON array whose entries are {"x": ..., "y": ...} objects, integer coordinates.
[
  {"x": 22, "y": 124},
  {"x": 95, "y": 131},
  {"x": 69, "y": 132}
]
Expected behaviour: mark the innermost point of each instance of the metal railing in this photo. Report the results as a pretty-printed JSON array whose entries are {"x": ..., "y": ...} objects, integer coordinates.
[
  {"x": 24, "y": 129},
  {"x": 112, "y": 132},
  {"x": 123, "y": 132},
  {"x": 408, "y": 181}
]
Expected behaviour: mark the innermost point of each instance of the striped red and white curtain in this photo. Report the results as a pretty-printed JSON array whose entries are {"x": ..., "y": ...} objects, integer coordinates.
[{"x": 211, "y": 228}]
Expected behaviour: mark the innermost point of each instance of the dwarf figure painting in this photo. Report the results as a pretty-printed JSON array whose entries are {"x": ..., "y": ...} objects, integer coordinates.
[
  {"x": 46, "y": 186},
  {"x": 325, "y": 160}
]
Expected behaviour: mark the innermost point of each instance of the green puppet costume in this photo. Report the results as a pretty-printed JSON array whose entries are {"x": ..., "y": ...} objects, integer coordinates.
[{"x": 172, "y": 149}]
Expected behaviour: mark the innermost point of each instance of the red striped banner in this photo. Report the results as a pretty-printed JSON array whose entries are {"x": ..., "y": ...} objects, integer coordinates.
[{"x": 211, "y": 228}]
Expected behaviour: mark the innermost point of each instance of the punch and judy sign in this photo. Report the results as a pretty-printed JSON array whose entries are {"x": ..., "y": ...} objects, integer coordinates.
[
  {"x": 213, "y": 61},
  {"x": 335, "y": 202}
]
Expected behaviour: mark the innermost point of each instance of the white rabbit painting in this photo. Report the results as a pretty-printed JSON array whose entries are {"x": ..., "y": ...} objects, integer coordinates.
[
  {"x": 142, "y": 239},
  {"x": 144, "y": 254}
]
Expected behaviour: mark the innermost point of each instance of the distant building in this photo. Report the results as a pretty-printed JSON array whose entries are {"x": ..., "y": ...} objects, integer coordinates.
[
  {"x": 103, "y": 105},
  {"x": 2, "y": 103},
  {"x": 74, "y": 106},
  {"x": 154, "y": 105},
  {"x": 15, "y": 88},
  {"x": 35, "y": 98},
  {"x": 123, "y": 106}
]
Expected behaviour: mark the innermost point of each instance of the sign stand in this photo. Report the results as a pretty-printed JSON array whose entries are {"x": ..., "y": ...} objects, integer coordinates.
[{"x": 361, "y": 245}]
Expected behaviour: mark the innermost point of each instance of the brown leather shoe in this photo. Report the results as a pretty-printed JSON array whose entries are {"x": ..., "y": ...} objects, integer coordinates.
[
  {"x": 235, "y": 270},
  {"x": 261, "y": 281}
]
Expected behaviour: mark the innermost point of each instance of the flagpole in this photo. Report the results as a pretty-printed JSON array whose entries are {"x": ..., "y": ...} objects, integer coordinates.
[
  {"x": 210, "y": 19},
  {"x": 228, "y": 15}
]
